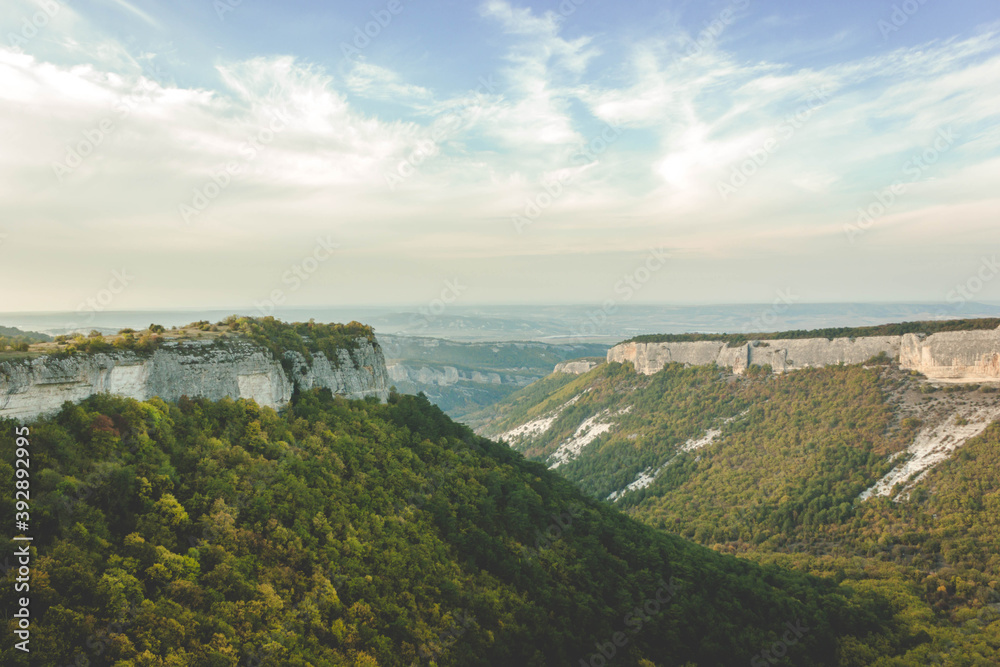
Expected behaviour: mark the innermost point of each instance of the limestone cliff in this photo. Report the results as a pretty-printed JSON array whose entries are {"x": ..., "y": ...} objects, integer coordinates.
[
  {"x": 446, "y": 376},
  {"x": 578, "y": 367},
  {"x": 231, "y": 367},
  {"x": 959, "y": 356}
]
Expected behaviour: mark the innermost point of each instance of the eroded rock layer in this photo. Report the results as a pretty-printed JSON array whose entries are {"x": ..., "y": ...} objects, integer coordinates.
[{"x": 231, "y": 367}]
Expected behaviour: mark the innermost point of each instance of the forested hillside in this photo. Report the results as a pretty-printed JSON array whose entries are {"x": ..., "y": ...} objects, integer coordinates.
[
  {"x": 775, "y": 468},
  {"x": 15, "y": 340},
  {"x": 359, "y": 533},
  {"x": 277, "y": 336}
]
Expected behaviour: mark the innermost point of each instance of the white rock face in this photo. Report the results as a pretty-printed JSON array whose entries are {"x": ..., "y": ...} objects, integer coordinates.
[
  {"x": 787, "y": 355},
  {"x": 965, "y": 356},
  {"x": 649, "y": 358},
  {"x": 960, "y": 356},
  {"x": 447, "y": 376},
  {"x": 361, "y": 372},
  {"x": 933, "y": 445},
  {"x": 442, "y": 377},
  {"x": 575, "y": 367},
  {"x": 234, "y": 368},
  {"x": 591, "y": 429},
  {"x": 648, "y": 476},
  {"x": 536, "y": 427}
]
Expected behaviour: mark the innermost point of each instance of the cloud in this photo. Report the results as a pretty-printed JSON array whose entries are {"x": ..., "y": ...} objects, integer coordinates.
[
  {"x": 135, "y": 11},
  {"x": 379, "y": 83},
  {"x": 313, "y": 154}
]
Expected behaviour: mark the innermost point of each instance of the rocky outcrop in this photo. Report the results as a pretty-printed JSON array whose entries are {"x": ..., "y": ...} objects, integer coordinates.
[
  {"x": 231, "y": 367},
  {"x": 575, "y": 367},
  {"x": 360, "y": 372},
  {"x": 443, "y": 377},
  {"x": 961, "y": 356},
  {"x": 787, "y": 355},
  {"x": 446, "y": 376},
  {"x": 649, "y": 358}
]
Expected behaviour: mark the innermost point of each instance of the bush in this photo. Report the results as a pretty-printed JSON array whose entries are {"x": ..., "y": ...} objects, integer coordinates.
[{"x": 306, "y": 338}]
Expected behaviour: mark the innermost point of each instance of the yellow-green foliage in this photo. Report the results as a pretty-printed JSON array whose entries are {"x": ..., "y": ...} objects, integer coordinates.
[
  {"x": 353, "y": 532},
  {"x": 781, "y": 486}
]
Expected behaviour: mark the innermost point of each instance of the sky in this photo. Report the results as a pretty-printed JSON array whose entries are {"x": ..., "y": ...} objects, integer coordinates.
[{"x": 241, "y": 153}]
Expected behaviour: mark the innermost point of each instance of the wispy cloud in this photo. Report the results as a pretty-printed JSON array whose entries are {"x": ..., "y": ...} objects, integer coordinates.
[
  {"x": 689, "y": 120},
  {"x": 135, "y": 11}
]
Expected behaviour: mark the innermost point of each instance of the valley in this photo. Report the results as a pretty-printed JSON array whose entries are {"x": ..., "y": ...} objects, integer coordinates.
[
  {"x": 503, "y": 333},
  {"x": 866, "y": 472},
  {"x": 857, "y": 498},
  {"x": 464, "y": 377}
]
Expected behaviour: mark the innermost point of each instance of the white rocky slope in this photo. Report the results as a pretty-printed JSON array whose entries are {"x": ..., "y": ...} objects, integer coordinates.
[
  {"x": 648, "y": 476},
  {"x": 591, "y": 429},
  {"x": 232, "y": 367},
  {"x": 934, "y": 444},
  {"x": 537, "y": 426}
]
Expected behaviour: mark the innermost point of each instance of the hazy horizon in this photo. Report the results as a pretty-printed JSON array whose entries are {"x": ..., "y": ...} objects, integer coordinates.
[{"x": 608, "y": 323}]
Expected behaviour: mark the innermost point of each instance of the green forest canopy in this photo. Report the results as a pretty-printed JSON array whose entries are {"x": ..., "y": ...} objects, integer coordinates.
[
  {"x": 781, "y": 482},
  {"x": 306, "y": 338},
  {"x": 359, "y": 533}
]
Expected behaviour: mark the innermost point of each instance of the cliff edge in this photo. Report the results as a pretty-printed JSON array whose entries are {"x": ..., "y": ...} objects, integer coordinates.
[
  {"x": 955, "y": 356},
  {"x": 232, "y": 366}
]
